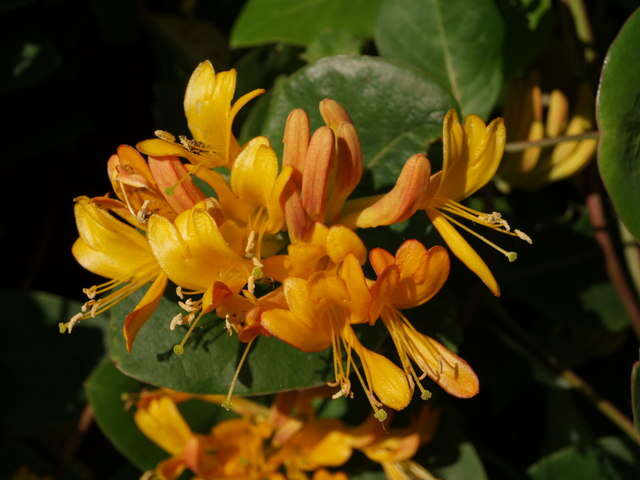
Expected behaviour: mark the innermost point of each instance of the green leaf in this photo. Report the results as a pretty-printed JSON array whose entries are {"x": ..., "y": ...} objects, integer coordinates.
[
  {"x": 42, "y": 363},
  {"x": 300, "y": 21},
  {"x": 451, "y": 456},
  {"x": 333, "y": 42},
  {"x": 210, "y": 357},
  {"x": 104, "y": 390},
  {"x": 456, "y": 42},
  {"x": 635, "y": 394},
  {"x": 618, "y": 115},
  {"x": 397, "y": 111},
  {"x": 607, "y": 459}
]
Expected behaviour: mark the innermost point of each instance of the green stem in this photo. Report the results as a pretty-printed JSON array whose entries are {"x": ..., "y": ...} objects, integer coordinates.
[
  {"x": 548, "y": 142},
  {"x": 583, "y": 27}
]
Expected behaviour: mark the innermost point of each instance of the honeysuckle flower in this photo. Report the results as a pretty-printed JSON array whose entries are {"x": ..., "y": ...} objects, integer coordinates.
[
  {"x": 327, "y": 166},
  {"x": 210, "y": 111},
  {"x": 407, "y": 280},
  {"x": 195, "y": 255},
  {"x": 471, "y": 156},
  {"x": 525, "y": 119},
  {"x": 141, "y": 186},
  {"x": 252, "y": 201},
  {"x": 320, "y": 312},
  {"x": 119, "y": 252}
]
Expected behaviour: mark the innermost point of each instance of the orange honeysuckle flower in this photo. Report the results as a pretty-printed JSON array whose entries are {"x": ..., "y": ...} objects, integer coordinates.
[
  {"x": 195, "y": 255},
  {"x": 471, "y": 156},
  {"x": 525, "y": 119},
  {"x": 141, "y": 186},
  {"x": 210, "y": 114},
  {"x": 327, "y": 166},
  {"x": 119, "y": 252},
  {"x": 320, "y": 311},
  {"x": 407, "y": 280}
]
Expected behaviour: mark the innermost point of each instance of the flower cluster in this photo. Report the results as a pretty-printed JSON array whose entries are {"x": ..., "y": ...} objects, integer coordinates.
[
  {"x": 524, "y": 115},
  {"x": 291, "y": 224},
  {"x": 284, "y": 441}
]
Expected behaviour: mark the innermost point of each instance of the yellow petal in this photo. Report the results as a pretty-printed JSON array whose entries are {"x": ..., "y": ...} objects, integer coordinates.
[
  {"x": 295, "y": 330},
  {"x": 254, "y": 172},
  {"x": 243, "y": 100},
  {"x": 163, "y": 424},
  {"x": 461, "y": 249},
  {"x": 342, "y": 241},
  {"x": 380, "y": 259},
  {"x": 134, "y": 321},
  {"x": 393, "y": 448},
  {"x": 360, "y": 297},
  {"x": 108, "y": 245},
  {"x": 156, "y": 147}
]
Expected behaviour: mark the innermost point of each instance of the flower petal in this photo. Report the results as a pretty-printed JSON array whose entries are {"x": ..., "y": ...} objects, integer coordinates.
[
  {"x": 461, "y": 249},
  {"x": 174, "y": 183},
  {"x": 294, "y": 330},
  {"x": 342, "y": 241},
  {"x": 163, "y": 424},
  {"x": 254, "y": 172},
  {"x": 134, "y": 321},
  {"x": 317, "y": 166}
]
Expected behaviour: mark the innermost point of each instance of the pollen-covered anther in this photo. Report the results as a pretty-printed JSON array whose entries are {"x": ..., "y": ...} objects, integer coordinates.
[
  {"x": 495, "y": 218},
  {"x": 175, "y": 321},
  {"x": 193, "y": 146},
  {"x": 67, "y": 327},
  {"x": 345, "y": 390},
  {"x": 523, "y": 236},
  {"x": 144, "y": 213},
  {"x": 189, "y": 305},
  {"x": 90, "y": 292},
  {"x": 166, "y": 136},
  {"x": 179, "y": 292}
]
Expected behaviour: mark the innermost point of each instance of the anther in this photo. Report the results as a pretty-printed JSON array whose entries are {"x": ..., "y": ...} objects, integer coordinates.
[
  {"x": 166, "y": 136},
  {"x": 523, "y": 236},
  {"x": 175, "y": 321},
  {"x": 380, "y": 415},
  {"x": 179, "y": 292},
  {"x": 144, "y": 213},
  {"x": 90, "y": 292}
]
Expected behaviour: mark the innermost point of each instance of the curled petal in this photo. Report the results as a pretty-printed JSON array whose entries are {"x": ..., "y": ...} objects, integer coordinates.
[
  {"x": 461, "y": 249},
  {"x": 315, "y": 177},
  {"x": 342, "y": 241},
  {"x": 401, "y": 202},
  {"x": 134, "y": 321},
  {"x": 174, "y": 183},
  {"x": 360, "y": 297}
]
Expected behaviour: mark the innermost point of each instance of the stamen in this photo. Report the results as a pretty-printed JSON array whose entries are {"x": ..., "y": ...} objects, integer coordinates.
[
  {"x": 251, "y": 244},
  {"x": 227, "y": 403},
  {"x": 512, "y": 256},
  {"x": 175, "y": 321},
  {"x": 90, "y": 292},
  {"x": 179, "y": 348},
  {"x": 523, "y": 236},
  {"x": 227, "y": 324},
  {"x": 144, "y": 213},
  {"x": 179, "y": 292}
]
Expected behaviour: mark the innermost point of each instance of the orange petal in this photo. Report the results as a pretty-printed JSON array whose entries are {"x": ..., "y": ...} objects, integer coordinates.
[
  {"x": 296, "y": 142},
  {"x": 403, "y": 200},
  {"x": 289, "y": 328},
  {"x": 380, "y": 259},
  {"x": 360, "y": 297},
  {"x": 317, "y": 166},
  {"x": 333, "y": 113},
  {"x": 342, "y": 241},
  {"x": 134, "y": 321},
  {"x": 174, "y": 183}
]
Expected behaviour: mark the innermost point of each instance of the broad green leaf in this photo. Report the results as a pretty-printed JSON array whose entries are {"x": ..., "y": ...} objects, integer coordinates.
[
  {"x": 618, "y": 115},
  {"x": 300, "y": 21},
  {"x": 333, "y": 42},
  {"x": 396, "y": 110},
  {"x": 635, "y": 394},
  {"x": 457, "y": 42},
  {"x": 210, "y": 357},
  {"x": 104, "y": 389},
  {"x": 45, "y": 370}
]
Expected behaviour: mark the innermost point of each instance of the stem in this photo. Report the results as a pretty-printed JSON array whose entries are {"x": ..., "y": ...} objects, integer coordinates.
[
  {"x": 517, "y": 335},
  {"x": 583, "y": 27},
  {"x": 71, "y": 447},
  {"x": 548, "y": 142},
  {"x": 617, "y": 275}
]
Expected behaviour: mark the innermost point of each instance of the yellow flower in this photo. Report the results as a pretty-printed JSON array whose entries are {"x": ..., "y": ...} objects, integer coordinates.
[
  {"x": 252, "y": 201},
  {"x": 194, "y": 254},
  {"x": 119, "y": 252},
  {"x": 210, "y": 113},
  {"x": 327, "y": 166},
  {"x": 471, "y": 156},
  {"x": 524, "y": 116},
  {"x": 407, "y": 280}
]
